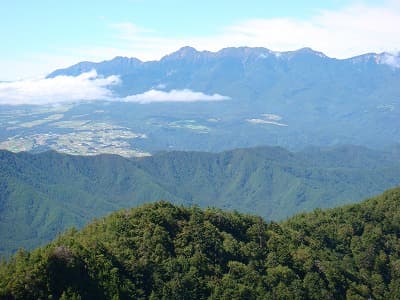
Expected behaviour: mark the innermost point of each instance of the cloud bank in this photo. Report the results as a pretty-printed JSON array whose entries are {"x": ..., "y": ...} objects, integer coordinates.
[
  {"x": 351, "y": 31},
  {"x": 185, "y": 95},
  {"x": 87, "y": 87},
  {"x": 342, "y": 33}
]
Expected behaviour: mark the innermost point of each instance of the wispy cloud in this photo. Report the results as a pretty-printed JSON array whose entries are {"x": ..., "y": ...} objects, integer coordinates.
[
  {"x": 87, "y": 87},
  {"x": 342, "y": 33},
  {"x": 348, "y": 31},
  {"x": 185, "y": 95},
  {"x": 127, "y": 30}
]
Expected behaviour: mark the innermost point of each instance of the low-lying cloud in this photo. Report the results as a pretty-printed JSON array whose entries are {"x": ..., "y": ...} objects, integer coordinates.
[
  {"x": 185, "y": 95},
  {"x": 87, "y": 87}
]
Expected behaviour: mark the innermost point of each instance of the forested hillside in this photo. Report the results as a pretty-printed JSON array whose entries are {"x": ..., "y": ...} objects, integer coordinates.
[
  {"x": 162, "y": 251},
  {"x": 41, "y": 195}
]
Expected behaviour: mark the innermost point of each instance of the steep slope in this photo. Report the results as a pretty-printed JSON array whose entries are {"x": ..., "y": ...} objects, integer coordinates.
[
  {"x": 274, "y": 182},
  {"x": 161, "y": 251},
  {"x": 43, "y": 194}
]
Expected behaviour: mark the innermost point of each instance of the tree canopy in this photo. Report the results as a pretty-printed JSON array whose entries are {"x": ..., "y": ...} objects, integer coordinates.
[{"x": 162, "y": 251}]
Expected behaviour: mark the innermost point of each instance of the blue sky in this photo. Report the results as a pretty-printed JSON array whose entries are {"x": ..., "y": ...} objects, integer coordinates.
[{"x": 39, "y": 36}]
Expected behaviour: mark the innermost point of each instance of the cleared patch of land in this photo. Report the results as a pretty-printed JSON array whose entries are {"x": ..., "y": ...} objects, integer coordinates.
[{"x": 84, "y": 138}]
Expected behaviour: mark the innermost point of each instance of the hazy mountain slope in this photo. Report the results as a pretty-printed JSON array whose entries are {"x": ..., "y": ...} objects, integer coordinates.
[
  {"x": 274, "y": 182},
  {"x": 161, "y": 251},
  {"x": 322, "y": 100},
  {"x": 247, "y": 70},
  {"x": 43, "y": 194}
]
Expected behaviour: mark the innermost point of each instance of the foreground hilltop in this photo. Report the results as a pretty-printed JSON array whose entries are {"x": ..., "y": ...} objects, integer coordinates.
[{"x": 162, "y": 251}]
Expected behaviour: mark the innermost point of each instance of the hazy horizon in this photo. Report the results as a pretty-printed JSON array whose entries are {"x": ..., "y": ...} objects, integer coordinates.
[{"x": 39, "y": 37}]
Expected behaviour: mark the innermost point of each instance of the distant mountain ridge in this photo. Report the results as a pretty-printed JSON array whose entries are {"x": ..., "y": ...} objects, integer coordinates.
[
  {"x": 123, "y": 65},
  {"x": 43, "y": 194},
  {"x": 321, "y": 101}
]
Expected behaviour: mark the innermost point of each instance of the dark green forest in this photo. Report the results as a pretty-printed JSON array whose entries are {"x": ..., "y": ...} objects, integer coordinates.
[
  {"x": 163, "y": 251},
  {"x": 41, "y": 195}
]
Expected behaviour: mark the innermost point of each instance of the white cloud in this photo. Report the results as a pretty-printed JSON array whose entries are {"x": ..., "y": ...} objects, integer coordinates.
[
  {"x": 345, "y": 32},
  {"x": 85, "y": 87},
  {"x": 261, "y": 121},
  {"x": 185, "y": 95},
  {"x": 128, "y": 30},
  {"x": 342, "y": 33}
]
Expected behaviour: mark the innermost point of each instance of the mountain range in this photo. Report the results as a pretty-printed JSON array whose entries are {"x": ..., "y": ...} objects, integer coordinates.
[
  {"x": 43, "y": 194},
  {"x": 290, "y": 99},
  {"x": 173, "y": 121},
  {"x": 215, "y": 101},
  {"x": 249, "y": 57}
]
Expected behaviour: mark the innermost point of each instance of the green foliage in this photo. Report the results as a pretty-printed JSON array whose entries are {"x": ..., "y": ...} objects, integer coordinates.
[
  {"x": 162, "y": 251},
  {"x": 44, "y": 194}
]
